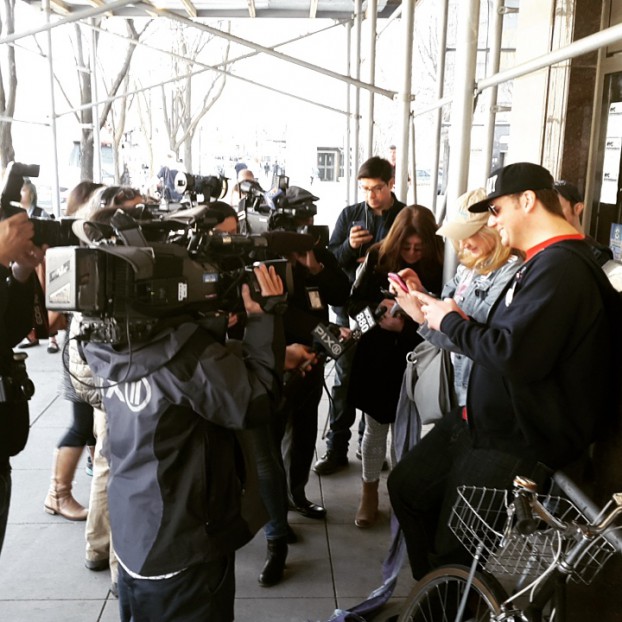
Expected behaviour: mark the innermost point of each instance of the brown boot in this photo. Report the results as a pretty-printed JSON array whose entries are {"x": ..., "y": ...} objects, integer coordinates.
[
  {"x": 368, "y": 507},
  {"x": 59, "y": 499}
]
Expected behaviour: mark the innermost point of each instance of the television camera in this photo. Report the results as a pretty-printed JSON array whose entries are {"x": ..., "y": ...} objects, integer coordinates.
[
  {"x": 207, "y": 186},
  {"x": 136, "y": 273},
  {"x": 46, "y": 231},
  {"x": 281, "y": 208}
]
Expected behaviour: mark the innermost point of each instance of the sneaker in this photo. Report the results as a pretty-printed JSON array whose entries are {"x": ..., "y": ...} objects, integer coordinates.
[
  {"x": 330, "y": 463},
  {"x": 89, "y": 466}
]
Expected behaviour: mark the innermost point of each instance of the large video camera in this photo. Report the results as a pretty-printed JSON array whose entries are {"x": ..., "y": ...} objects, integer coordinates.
[
  {"x": 46, "y": 231},
  {"x": 208, "y": 187},
  {"x": 285, "y": 207},
  {"x": 138, "y": 272}
]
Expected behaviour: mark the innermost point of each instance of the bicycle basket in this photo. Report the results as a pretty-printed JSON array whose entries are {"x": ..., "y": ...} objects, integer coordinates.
[{"x": 481, "y": 521}]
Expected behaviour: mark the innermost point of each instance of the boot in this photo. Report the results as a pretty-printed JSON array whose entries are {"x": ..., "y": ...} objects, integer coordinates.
[
  {"x": 272, "y": 572},
  {"x": 59, "y": 499},
  {"x": 368, "y": 507}
]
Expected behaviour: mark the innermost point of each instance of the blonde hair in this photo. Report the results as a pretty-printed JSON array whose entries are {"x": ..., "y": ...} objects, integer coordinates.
[{"x": 497, "y": 255}]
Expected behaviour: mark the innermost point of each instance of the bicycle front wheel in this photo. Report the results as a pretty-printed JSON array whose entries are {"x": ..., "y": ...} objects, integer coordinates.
[{"x": 437, "y": 597}]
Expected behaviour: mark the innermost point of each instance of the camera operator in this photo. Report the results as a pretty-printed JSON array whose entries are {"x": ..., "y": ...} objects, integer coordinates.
[
  {"x": 18, "y": 259},
  {"x": 176, "y": 489},
  {"x": 318, "y": 281}
]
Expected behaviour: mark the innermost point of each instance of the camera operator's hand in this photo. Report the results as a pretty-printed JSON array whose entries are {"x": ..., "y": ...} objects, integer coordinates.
[
  {"x": 270, "y": 284},
  {"x": 23, "y": 268},
  {"x": 310, "y": 261},
  {"x": 299, "y": 358},
  {"x": 359, "y": 236},
  {"x": 16, "y": 239}
]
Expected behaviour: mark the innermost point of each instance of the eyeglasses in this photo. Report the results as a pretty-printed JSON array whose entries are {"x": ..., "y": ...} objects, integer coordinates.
[
  {"x": 373, "y": 189},
  {"x": 494, "y": 209}
]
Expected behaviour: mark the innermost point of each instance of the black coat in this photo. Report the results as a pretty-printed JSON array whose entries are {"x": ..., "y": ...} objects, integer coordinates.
[
  {"x": 380, "y": 357},
  {"x": 16, "y": 318}
]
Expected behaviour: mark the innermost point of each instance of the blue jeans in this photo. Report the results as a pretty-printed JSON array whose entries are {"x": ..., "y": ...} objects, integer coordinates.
[
  {"x": 5, "y": 498},
  {"x": 422, "y": 488},
  {"x": 201, "y": 592},
  {"x": 271, "y": 474}
]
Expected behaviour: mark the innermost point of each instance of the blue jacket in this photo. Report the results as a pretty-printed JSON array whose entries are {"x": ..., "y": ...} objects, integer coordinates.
[
  {"x": 177, "y": 481},
  {"x": 476, "y": 301}
]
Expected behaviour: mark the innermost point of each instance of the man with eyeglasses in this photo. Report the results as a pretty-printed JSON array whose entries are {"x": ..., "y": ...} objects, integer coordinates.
[
  {"x": 543, "y": 383},
  {"x": 357, "y": 228}
]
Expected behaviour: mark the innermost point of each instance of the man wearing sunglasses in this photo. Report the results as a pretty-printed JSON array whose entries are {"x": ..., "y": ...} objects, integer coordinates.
[{"x": 544, "y": 378}]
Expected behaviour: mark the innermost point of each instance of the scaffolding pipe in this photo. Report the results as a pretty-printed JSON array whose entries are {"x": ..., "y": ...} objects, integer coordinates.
[
  {"x": 404, "y": 99},
  {"x": 97, "y": 150},
  {"x": 269, "y": 51},
  {"x": 55, "y": 178},
  {"x": 347, "y": 164},
  {"x": 440, "y": 89},
  {"x": 495, "y": 28},
  {"x": 413, "y": 159},
  {"x": 577, "y": 48},
  {"x": 76, "y": 17},
  {"x": 462, "y": 114},
  {"x": 358, "y": 23},
  {"x": 372, "y": 9}
]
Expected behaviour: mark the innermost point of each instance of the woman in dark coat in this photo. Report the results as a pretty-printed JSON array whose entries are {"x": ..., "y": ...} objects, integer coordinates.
[{"x": 380, "y": 357}]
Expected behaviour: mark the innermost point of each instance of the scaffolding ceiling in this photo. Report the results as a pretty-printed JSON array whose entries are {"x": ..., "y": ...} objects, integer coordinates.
[{"x": 230, "y": 9}]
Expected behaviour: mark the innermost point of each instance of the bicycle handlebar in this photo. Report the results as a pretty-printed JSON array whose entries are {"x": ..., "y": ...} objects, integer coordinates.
[{"x": 529, "y": 509}]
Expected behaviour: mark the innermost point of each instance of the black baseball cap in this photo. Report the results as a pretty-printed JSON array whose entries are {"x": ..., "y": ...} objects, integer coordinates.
[
  {"x": 512, "y": 179},
  {"x": 569, "y": 191}
]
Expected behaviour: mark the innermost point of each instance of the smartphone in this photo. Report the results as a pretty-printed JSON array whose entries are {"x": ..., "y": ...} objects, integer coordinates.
[
  {"x": 398, "y": 280},
  {"x": 360, "y": 223}
]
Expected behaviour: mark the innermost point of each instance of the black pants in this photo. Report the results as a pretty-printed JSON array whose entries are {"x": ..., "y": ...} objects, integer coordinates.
[
  {"x": 81, "y": 431},
  {"x": 422, "y": 488},
  {"x": 300, "y": 416},
  {"x": 199, "y": 593},
  {"x": 5, "y": 497}
]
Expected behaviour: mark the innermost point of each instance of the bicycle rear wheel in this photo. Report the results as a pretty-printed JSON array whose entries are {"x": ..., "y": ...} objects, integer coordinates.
[{"x": 437, "y": 596}]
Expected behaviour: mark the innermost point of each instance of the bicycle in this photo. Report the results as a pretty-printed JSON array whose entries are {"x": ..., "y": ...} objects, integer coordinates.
[{"x": 541, "y": 542}]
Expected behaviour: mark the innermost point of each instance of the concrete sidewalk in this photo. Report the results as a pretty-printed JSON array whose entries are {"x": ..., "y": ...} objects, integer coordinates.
[{"x": 42, "y": 573}]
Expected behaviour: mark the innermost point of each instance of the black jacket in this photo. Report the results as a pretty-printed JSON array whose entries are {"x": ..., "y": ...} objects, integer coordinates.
[
  {"x": 380, "y": 357},
  {"x": 329, "y": 287},
  {"x": 16, "y": 319},
  {"x": 378, "y": 226},
  {"x": 544, "y": 380}
]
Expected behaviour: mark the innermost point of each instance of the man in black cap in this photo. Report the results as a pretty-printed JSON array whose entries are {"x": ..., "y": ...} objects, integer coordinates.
[
  {"x": 543, "y": 378},
  {"x": 572, "y": 204}
]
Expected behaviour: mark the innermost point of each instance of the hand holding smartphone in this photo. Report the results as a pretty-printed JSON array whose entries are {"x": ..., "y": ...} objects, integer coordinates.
[{"x": 398, "y": 280}]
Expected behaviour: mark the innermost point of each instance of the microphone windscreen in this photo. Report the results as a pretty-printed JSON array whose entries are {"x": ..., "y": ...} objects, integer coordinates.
[{"x": 287, "y": 242}]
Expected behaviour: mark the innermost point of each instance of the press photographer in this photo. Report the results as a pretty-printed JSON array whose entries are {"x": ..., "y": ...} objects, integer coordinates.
[
  {"x": 318, "y": 281},
  {"x": 174, "y": 394},
  {"x": 18, "y": 259}
]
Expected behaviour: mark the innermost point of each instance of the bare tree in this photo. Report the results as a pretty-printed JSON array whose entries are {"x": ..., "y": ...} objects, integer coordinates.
[
  {"x": 8, "y": 89},
  {"x": 181, "y": 112},
  {"x": 84, "y": 115}
]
